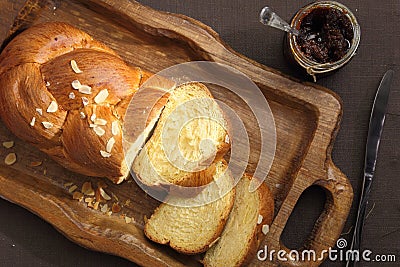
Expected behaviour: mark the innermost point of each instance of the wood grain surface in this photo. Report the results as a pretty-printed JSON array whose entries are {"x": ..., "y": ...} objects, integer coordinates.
[{"x": 301, "y": 111}]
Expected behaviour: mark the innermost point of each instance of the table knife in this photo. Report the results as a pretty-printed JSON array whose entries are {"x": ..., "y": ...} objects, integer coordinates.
[{"x": 376, "y": 122}]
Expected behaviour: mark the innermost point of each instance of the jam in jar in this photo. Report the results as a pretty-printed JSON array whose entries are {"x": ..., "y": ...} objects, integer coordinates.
[{"x": 329, "y": 37}]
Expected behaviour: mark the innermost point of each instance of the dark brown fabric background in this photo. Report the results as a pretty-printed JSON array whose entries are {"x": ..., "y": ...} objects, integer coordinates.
[{"x": 26, "y": 240}]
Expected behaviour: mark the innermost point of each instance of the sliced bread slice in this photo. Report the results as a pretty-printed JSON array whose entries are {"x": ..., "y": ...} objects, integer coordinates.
[
  {"x": 190, "y": 135},
  {"x": 249, "y": 220},
  {"x": 192, "y": 227}
]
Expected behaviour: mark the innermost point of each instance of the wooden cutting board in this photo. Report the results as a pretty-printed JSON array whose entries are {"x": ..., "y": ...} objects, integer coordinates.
[{"x": 306, "y": 116}]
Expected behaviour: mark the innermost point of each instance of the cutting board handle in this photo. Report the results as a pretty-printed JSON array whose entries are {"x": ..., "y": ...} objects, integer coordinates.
[{"x": 329, "y": 226}]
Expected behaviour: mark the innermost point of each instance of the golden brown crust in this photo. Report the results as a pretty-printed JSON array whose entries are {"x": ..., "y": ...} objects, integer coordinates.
[
  {"x": 228, "y": 201},
  {"x": 267, "y": 211},
  {"x": 35, "y": 75}
]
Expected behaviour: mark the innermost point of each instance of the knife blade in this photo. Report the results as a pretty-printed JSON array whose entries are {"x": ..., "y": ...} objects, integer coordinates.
[{"x": 376, "y": 123}]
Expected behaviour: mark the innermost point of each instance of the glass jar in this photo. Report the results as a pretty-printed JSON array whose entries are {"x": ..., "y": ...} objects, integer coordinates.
[{"x": 311, "y": 67}]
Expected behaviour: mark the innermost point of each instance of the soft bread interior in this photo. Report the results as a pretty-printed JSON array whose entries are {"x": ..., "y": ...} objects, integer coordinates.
[
  {"x": 240, "y": 236},
  {"x": 190, "y": 135},
  {"x": 192, "y": 227}
]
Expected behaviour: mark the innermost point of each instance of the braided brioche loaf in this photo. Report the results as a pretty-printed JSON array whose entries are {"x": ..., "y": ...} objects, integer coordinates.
[{"x": 67, "y": 94}]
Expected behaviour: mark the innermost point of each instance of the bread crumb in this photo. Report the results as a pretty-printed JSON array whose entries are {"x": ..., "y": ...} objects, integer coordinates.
[
  {"x": 36, "y": 163},
  {"x": 260, "y": 218},
  {"x": 77, "y": 195},
  {"x": 265, "y": 229},
  {"x": 71, "y": 95},
  {"x": 10, "y": 159},
  {"x": 104, "y": 208},
  {"x": 116, "y": 208},
  {"x": 8, "y": 144},
  {"x": 128, "y": 219}
]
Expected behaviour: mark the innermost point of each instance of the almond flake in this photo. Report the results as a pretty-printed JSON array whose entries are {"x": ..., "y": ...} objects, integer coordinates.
[
  {"x": 71, "y": 95},
  {"x": 77, "y": 195},
  {"x": 104, "y": 194},
  {"x": 82, "y": 115},
  {"x": 100, "y": 122},
  {"x": 85, "y": 89},
  {"x": 128, "y": 219},
  {"x": 36, "y": 163},
  {"x": 93, "y": 117},
  {"x": 76, "y": 84},
  {"x": 8, "y": 144},
  {"x": 89, "y": 200},
  {"x": 110, "y": 144},
  {"x": 46, "y": 124},
  {"x": 105, "y": 154},
  {"x": 68, "y": 184},
  {"x": 227, "y": 139},
  {"x": 10, "y": 159},
  {"x": 101, "y": 96},
  {"x": 53, "y": 107},
  {"x": 87, "y": 189},
  {"x": 85, "y": 101},
  {"x": 114, "y": 196},
  {"x": 99, "y": 131},
  {"x": 104, "y": 208},
  {"x": 96, "y": 205},
  {"x": 265, "y": 229},
  {"x": 32, "y": 123},
  {"x": 92, "y": 125},
  {"x": 72, "y": 188},
  {"x": 260, "y": 218},
  {"x": 115, "y": 128},
  {"x": 75, "y": 67},
  {"x": 214, "y": 242},
  {"x": 39, "y": 111},
  {"x": 47, "y": 84}
]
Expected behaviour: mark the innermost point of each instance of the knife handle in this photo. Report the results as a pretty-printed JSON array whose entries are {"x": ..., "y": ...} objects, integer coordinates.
[{"x": 361, "y": 213}]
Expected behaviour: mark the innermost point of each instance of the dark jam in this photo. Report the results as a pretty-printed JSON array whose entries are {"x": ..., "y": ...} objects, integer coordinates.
[{"x": 326, "y": 35}]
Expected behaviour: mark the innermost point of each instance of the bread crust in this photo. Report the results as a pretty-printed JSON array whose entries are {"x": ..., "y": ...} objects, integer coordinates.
[
  {"x": 35, "y": 70},
  {"x": 266, "y": 210},
  {"x": 223, "y": 217}
]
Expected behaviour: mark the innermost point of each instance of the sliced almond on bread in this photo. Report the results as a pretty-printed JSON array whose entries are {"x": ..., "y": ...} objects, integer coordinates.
[
  {"x": 244, "y": 229},
  {"x": 189, "y": 136},
  {"x": 193, "y": 227}
]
